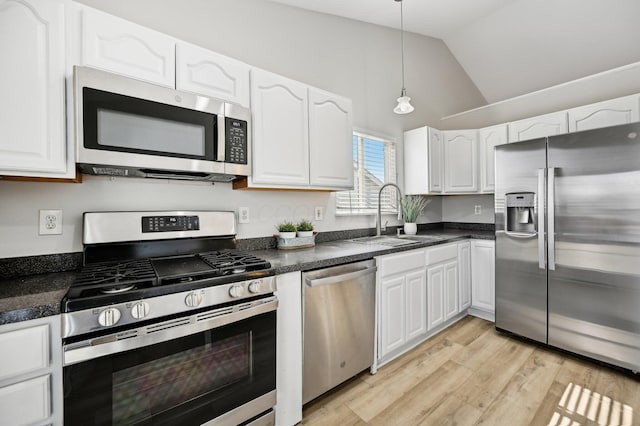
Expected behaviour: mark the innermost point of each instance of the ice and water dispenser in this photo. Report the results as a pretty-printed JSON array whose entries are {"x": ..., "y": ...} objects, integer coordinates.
[{"x": 521, "y": 213}]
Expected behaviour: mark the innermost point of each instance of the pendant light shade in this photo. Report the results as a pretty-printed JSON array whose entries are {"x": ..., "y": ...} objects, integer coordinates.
[{"x": 404, "y": 102}]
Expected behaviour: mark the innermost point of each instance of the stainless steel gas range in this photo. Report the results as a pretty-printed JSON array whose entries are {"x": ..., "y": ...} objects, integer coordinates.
[{"x": 167, "y": 324}]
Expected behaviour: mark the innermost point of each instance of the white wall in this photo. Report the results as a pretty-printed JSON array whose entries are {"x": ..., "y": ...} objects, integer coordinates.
[
  {"x": 351, "y": 58},
  {"x": 461, "y": 208}
]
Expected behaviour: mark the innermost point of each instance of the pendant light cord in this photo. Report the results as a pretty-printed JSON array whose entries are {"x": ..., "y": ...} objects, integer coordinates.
[{"x": 402, "y": 44}]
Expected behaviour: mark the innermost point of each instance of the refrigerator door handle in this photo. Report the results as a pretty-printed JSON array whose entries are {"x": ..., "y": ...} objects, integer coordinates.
[
  {"x": 542, "y": 261},
  {"x": 551, "y": 182}
]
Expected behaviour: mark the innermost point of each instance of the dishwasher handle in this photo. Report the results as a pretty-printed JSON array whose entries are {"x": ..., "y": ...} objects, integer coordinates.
[{"x": 334, "y": 279}]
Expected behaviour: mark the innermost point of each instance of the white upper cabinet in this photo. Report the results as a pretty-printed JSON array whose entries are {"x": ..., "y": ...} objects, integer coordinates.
[
  {"x": 32, "y": 110},
  {"x": 205, "y": 72},
  {"x": 330, "y": 145},
  {"x": 489, "y": 138},
  {"x": 423, "y": 147},
  {"x": 460, "y": 161},
  {"x": 538, "y": 127},
  {"x": 114, "y": 44},
  {"x": 604, "y": 114},
  {"x": 280, "y": 130}
]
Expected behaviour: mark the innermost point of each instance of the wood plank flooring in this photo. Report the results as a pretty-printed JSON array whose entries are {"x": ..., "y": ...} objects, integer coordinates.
[{"x": 470, "y": 374}]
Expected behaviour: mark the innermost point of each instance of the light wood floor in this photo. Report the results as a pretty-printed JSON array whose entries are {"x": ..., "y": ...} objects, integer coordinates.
[{"x": 470, "y": 374}]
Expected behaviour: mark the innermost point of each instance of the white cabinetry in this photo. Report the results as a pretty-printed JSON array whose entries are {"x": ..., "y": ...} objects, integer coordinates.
[
  {"x": 289, "y": 349},
  {"x": 423, "y": 157},
  {"x": 32, "y": 110},
  {"x": 208, "y": 73},
  {"x": 464, "y": 276},
  {"x": 460, "y": 161},
  {"x": 330, "y": 147},
  {"x": 280, "y": 130},
  {"x": 402, "y": 301},
  {"x": 114, "y": 44},
  {"x": 604, "y": 114},
  {"x": 435, "y": 294},
  {"x": 31, "y": 372},
  {"x": 442, "y": 284},
  {"x": 538, "y": 127},
  {"x": 489, "y": 138},
  {"x": 483, "y": 278},
  {"x": 301, "y": 135}
]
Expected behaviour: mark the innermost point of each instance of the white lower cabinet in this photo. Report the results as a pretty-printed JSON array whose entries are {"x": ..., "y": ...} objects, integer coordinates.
[
  {"x": 435, "y": 284},
  {"x": 483, "y": 279},
  {"x": 464, "y": 275},
  {"x": 402, "y": 300},
  {"x": 289, "y": 349},
  {"x": 31, "y": 372}
]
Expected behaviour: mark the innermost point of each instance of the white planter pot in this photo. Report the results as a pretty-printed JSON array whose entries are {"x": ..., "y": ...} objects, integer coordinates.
[
  {"x": 411, "y": 228},
  {"x": 305, "y": 233},
  {"x": 291, "y": 234}
]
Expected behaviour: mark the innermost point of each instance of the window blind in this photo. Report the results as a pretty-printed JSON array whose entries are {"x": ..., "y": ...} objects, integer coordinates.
[{"x": 374, "y": 164}]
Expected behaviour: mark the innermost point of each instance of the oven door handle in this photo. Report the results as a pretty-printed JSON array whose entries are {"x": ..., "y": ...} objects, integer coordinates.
[{"x": 151, "y": 334}]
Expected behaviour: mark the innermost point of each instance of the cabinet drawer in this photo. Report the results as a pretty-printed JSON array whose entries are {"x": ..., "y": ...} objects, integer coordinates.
[
  {"x": 23, "y": 351},
  {"x": 400, "y": 263},
  {"x": 26, "y": 402},
  {"x": 440, "y": 254}
]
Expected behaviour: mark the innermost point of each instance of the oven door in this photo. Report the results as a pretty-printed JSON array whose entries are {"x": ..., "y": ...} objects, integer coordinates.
[{"x": 217, "y": 366}]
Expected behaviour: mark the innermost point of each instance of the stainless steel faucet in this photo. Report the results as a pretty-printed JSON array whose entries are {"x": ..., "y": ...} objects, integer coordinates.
[{"x": 379, "y": 219}]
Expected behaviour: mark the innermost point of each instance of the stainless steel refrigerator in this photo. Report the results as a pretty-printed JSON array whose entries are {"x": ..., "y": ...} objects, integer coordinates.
[{"x": 568, "y": 242}]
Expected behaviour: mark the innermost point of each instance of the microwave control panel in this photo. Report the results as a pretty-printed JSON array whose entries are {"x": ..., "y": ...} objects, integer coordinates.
[{"x": 236, "y": 141}]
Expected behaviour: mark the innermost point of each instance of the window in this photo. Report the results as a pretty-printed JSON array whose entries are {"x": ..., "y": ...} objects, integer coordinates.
[{"x": 374, "y": 164}]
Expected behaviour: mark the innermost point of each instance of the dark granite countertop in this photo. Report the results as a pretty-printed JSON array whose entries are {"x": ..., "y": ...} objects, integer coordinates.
[{"x": 35, "y": 296}]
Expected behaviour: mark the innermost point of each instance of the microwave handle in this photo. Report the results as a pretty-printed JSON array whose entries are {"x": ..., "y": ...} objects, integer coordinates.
[{"x": 222, "y": 138}]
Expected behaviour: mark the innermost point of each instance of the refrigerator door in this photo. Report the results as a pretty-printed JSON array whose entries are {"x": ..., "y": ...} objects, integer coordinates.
[
  {"x": 594, "y": 253},
  {"x": 521, "y": 276}
]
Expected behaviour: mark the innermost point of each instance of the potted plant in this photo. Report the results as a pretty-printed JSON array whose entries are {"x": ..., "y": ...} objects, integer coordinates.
[
  {"x": 305, "y": 228},
  {"x": 412, "y": 206},
  {"x": 286, "y": 229}
]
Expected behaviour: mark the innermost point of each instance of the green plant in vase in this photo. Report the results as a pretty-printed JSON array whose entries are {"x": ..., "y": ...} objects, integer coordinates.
[
  {"x": 287, "y": 229},
  {"x": 305, "y": 228},
  {"x": 412, "y": 206}
]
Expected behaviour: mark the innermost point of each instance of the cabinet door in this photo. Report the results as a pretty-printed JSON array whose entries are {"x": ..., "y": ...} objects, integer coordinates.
[
  {"x": 32, "y": 119},
  {"x": 450, "y": 289},
  {"x": 436, "y": 154},
  {"x": 604, "y": 114},
  {"x": 490, "y": 137},
  {"x": 330, "y": 140},
  {"x": 460, "y": 161},
  {"x": 26, "y": 402},
  {"x": 538, "y": 127},
  {"x": 289, "y": 349},
  {"x": 482, "y": 275},
  {"x": 416, "y": 309},
  {"x": 117, "y": 45},
  {"x": 435, "y": 296},
  {"x": 464, "y": 276},
  {"x": 392, "y": 314},
  {"x": 208, "y": 73},
  {"x": 280, "y": 130}
]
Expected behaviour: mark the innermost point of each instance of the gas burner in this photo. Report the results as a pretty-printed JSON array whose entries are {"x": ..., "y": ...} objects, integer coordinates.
[{"x": 117, "y": 289}]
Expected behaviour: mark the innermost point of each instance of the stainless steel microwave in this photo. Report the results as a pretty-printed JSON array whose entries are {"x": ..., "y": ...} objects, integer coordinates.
[{"x": 127, "y": 127}]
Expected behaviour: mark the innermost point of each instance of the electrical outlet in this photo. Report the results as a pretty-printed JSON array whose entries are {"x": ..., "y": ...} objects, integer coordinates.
[
  {"x": 477, "y": 210},
  {"x": 50, "y": 222},
  {"x": 319, "y": 213},
  {"x": 243, "y": 215}
]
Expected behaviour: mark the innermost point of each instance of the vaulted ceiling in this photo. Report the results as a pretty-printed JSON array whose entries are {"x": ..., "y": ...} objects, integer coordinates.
[{"x": 512, "y": 47}]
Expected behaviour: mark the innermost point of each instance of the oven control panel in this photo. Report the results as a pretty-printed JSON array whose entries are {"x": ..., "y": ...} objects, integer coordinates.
[{"x": 170, "y": 223}]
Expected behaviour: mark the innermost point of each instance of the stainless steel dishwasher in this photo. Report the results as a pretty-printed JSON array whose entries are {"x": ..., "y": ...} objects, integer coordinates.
[{"x": 339, "y": 321}]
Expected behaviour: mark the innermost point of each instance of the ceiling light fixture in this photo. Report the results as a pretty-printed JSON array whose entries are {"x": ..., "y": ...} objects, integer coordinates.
[{"x": 404, "y": 106}]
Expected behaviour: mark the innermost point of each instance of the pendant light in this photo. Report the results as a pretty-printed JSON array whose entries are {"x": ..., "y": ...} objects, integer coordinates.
[{"x": 404, "y": 106}]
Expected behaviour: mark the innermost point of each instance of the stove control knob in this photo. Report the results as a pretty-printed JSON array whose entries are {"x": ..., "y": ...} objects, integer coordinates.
[
  {"x": 140, "y": 310},
  {"x": 236, "y": 291},
  {"x": 109, "y": 317},
  {"x": 193, "y": 299},
  {"x": 255, "y": 287}
]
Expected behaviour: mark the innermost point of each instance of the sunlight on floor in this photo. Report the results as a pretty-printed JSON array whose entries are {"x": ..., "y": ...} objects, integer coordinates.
[{"x": 581, "y": 406}]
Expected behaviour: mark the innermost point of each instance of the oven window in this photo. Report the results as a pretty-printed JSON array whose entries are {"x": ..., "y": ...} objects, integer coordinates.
[
  {"x": 187, "y": 380},
  {"x": 115, "y": 122},
  {"x": 141, "y": 391}
]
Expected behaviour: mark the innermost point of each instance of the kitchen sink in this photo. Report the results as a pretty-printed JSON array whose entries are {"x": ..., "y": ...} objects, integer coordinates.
[{"x": 383, "y": 240}]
